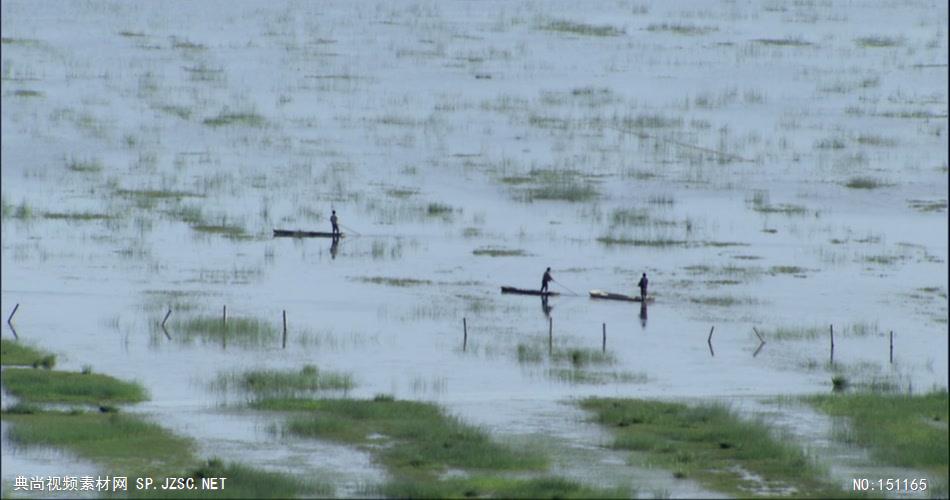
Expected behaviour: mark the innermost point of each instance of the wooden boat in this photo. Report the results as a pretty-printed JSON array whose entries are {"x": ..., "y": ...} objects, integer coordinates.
[
  {"x": 525, "y": 291},
  {"x": 600, "y": 294},
  {"x": 303, "y": 234}
]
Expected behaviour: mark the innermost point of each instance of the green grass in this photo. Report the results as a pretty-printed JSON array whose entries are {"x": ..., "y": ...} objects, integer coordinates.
[
  {"x": 878, "y": 41},
  {"x": 928, "y": 205},
  {"x": 496, "y": 487},
  {"x": 582, "y": 29},
  {"x": 85, "y": 166},
  {"x": 76, "y": 216},
  {"x": 711, "y": 445},
  {"x": 123, "y": 442},
  {"x": 402, "y": 282},
  {"x": 226, "y": 230},
  {"x": 787, "y": 270},
  {"x": 682, "y": 29},
  {"x": 783, "y": 42},
  {"x": 629, "y": 217},
  {"x": 70, "y": 387},
  {"x": 499, "y": 252},
  {"x": 582, "y": 376},
  {"x": 812, "y": 332},
  {"x": 408, "y": 436},
  {"x": 274, "y": 382},
  {"x": 639, "y": 242},
  {"x": 439, "y": 210},
  {"x": 864, "y": 183},
  {"x": 27, "y": 93},
  {"x": 899, "y": 429},
  {"x": 226, "y": 119},
  {"x": 14, "y": 353},
  {"x": 246, "y": 332},
  {"x": 554, "y": 185},
  {"x": 723, "y": 301}
]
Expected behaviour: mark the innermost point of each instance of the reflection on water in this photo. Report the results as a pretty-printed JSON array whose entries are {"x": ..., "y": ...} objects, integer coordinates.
[{"x": 643, "y": 314}]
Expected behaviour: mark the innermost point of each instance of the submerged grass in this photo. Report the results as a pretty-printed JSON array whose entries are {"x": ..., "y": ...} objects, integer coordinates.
[
  {"x": 70, "y": 387},
  {"x": 245, "y": 482},
  {"x": 419, "y": 437},
  {"x": 711, "y": 445},
  {"x": 271, "y": 382},
  {"x": 402, "y": 282},
  {"x": 865, "y": 183},
  {"x": 582, "y": 29},
  {"x": 242, "y": 331},
  {"x": 900, "y": 429},
  {"x": 16, "y": 354},
  {"x": 553, "y": 185},
  {"x": 499, "y": 252}
]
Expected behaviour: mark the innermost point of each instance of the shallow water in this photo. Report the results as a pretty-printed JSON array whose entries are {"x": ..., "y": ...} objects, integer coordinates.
[{"x": 442, "y": 102}]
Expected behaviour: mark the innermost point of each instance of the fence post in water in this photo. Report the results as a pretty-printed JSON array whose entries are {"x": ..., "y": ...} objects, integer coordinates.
[
  {"x": 464, "y": 335},
  {"x": 709, "y": 340},
  {"x": 892, "y": 346},
  {"x": 284, "y": 343},
  {"x": 603, "y": 345},
  {"x": 169, "y": 313},
  {"x": 10, "y": 318},
  {"x": 831, "y": 330},
  {"x": 224, "y": 315}
]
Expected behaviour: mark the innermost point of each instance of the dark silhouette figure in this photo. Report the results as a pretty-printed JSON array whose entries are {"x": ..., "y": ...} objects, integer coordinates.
[
  {"x": 334, "y": 247},
  {"x": 545, "y": 279},
  {"x": 545, "y": 308},
  {"x": 336, "y": 227},
  {"x": 643, "y": 314},
  {"x": 643, "y": 287}
]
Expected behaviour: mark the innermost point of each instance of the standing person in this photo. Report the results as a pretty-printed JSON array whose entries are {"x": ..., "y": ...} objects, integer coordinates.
[
  {"x": 643, "y": 287},
  {"x": 336, "y": 228},
  {"x": 545, "y": 279}
]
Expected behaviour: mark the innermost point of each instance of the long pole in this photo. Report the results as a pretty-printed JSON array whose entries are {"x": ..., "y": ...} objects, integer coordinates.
[
  {"x": 284, "y": 343},
  {"x": 603, "y": 345},
  {"x": 892, "y": 346},
  {"x": 831, "y": 330},
  {"x": 561, "y": 284},
  {"x": 464, "y": 335},
  {"x": 349, "y": 229}
]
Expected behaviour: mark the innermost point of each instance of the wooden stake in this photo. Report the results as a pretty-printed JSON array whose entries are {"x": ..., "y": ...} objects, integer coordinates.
[
  {"x": 169, "y": 313},
  {"x": 892, "y": 347},
  {"x": 709, "y": 339},
  {"x": 224, "y": 315},
  {"x": 603, "y": 346},
  {"x": 831, "y": 329},
  {"x": 464, "y": 335},
  {"x": 284, "y": 343},
  {"x": 757, "y": 335},
  {"x": 9, "y": 319}
]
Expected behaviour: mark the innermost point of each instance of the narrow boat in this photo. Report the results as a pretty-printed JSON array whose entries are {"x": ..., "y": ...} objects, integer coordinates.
[
  {"x": 525, "y": 291},
  {"x": 304, "y": 234},
  {"x": 600, "y": 294}
]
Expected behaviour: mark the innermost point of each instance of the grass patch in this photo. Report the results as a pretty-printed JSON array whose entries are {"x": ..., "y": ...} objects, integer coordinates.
[
  {"x": 639, "y": 242},
  {"x": 682, "y": 29},
  {"x": 928, "y": 205},
  {"x": 582, "y": 29},
  {"x": 813, "y": 332},
  {"x": 246, "y": 332},
  {"x": 496, "y": 487},
  {"x": 274, "y": 382},
  {"x": 16, "y": 354},
  {"x": 628, "y": 217},
  {"x": 245, "y": 482},
  {"x": 899, "y": 429},
  {"x": 711, "y": 445},
  {"x": 555, "y": 185},
  {"x": 93, "y": 166},
  {"x": 228, "y": 119},
  {"x": 580, "y": 357},
  {"x": 499, "y": 252},
  {"x": 879, "y": 41},
  {"x": 381, "y": 280},
  {"x": 439, "y": 210},
  {"x": 27, "y": 93},
  {"x": 723, "y": 301},
  {"x": 864, "y": 183},
  {"x": 226, "y": 230},
  {"x": 407, "y": 436},
  {"x": 787, "y": 270},
  {"x": 123, "y": 442},
  {"x": 70, "y": 387},
  {"x": 783, "y": 42},
  {"x": 579, "y": 376},
  {"x": 76, "y": 216}
]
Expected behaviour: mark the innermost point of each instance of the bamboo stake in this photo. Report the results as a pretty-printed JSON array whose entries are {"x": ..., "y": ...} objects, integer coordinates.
[
  {"x": 603, "y": 346},
  {"x": 9, "y": 319},
  {"x": 831, "y": 329},
  {"x": 892, "y": 347},
  {"x": 464, "y": 335},
  {"x": 284, "y": 343},
  {"x": 169, "y": 313}
]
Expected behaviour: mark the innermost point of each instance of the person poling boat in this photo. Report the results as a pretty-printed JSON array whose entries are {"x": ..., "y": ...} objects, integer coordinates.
[
  {"x": 545, "y": 280},
  {"x": 643, "y": 287},
  {"x": 336, "y": 228}
]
